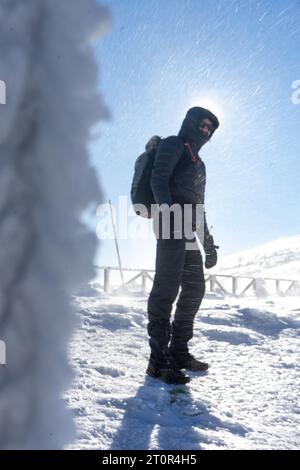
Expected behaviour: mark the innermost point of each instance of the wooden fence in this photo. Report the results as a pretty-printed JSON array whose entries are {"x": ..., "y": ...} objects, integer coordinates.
[{"x": 224, "y": 284}]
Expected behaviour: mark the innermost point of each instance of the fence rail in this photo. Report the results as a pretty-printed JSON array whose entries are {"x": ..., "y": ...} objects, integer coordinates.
[{"x": 234, "y": 285}]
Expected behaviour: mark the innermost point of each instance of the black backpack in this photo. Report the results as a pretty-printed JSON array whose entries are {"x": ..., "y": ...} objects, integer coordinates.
[{"x": 141, "y": 192}]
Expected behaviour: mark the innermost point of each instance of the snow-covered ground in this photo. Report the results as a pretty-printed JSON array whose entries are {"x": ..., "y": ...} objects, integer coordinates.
[
  {"x": 249, "y": 399},
  {"x": 276, "y": 259}
]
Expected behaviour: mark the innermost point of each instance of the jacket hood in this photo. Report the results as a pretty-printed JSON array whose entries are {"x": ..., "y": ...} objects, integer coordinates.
[{"x": 190, "y": 127}]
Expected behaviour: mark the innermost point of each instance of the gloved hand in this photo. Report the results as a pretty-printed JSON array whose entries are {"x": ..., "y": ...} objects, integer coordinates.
[{"x": 210, "y": 249}]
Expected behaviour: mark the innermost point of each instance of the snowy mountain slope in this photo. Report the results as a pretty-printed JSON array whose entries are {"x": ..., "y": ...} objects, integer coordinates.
[
  {"x": 249, "y": 399},
  {"x": 278, "y": 259}
]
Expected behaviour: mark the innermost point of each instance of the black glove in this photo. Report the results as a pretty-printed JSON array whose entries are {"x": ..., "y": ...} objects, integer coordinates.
[{"x": 211, "y": 255}]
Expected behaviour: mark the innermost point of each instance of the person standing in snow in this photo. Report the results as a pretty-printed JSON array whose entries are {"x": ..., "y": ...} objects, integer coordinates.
[{"x": 178, "y": 177}]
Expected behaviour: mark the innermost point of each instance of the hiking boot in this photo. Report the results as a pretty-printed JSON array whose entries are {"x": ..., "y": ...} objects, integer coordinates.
[
  {"x": 189, "y": 362},
  {"x": 167, "y": 374}
]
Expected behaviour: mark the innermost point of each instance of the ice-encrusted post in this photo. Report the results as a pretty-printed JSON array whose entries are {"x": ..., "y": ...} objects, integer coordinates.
[
  {"x": 106, "y": 279},
  {"x": 2, "y": 92},
  {"x": 47, "y": 62},
  {"x": 2, "y": 353}
]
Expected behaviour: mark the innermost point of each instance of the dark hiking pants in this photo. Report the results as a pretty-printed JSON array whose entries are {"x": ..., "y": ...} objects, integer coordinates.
[{"x": 175, "y": 267}]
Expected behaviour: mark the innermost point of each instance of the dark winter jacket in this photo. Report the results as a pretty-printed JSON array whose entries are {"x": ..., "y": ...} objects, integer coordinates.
[{"x": 179, "y": 174}]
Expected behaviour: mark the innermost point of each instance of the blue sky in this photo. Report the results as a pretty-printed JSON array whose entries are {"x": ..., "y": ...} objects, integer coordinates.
[{"x": 163, "y": 56}]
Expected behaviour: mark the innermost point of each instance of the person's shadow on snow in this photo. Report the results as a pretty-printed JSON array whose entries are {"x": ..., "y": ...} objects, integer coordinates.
[{"x": 166, "y": 417}]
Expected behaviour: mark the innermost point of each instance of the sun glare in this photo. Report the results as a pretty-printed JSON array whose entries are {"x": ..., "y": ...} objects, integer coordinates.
[{"x": 213, "y": 106}]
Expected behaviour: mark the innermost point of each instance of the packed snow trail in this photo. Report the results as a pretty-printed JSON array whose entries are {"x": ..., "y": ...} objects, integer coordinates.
[{"x": 247, "y": 400}]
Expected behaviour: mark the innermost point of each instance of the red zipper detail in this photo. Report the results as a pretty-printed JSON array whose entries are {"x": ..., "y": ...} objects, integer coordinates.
[{"x": 195, "y": 159}]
